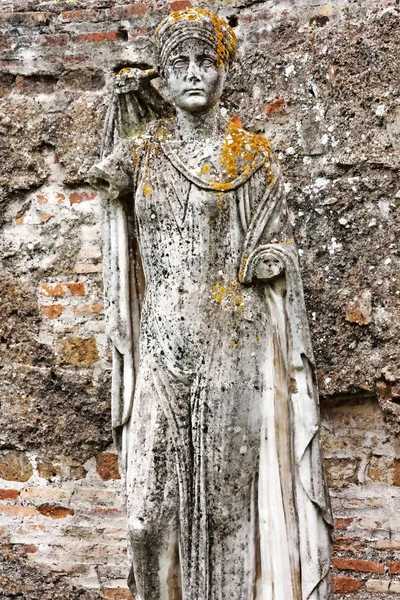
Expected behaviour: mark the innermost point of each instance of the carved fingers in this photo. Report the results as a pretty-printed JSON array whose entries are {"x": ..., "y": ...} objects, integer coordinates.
[{"x": 131, "y": 79}]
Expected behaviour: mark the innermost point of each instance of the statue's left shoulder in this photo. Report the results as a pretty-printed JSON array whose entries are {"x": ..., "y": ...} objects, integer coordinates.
[{"x": 243, "y": 151}]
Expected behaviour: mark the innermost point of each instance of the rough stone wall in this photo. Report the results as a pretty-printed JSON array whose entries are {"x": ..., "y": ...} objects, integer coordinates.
[{"x": 322, "y": 82}]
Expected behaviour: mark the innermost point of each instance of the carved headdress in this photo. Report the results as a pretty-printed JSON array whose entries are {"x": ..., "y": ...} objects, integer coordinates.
[{"x": 199, "y": 24}]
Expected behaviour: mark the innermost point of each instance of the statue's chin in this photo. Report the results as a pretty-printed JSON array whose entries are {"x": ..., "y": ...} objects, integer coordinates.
[{"x": 195, "y": 104}]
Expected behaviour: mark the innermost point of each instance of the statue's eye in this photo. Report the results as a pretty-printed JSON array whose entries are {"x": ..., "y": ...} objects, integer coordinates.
[
  {"x": 179, "y": 63},
  {"x": 206, "y": 61}
]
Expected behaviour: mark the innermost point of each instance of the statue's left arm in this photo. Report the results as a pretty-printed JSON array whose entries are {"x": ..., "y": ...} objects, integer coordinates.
[{"x": 268, "y": 231}]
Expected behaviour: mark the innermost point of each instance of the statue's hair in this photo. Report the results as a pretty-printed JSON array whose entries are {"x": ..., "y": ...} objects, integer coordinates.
[{"x": 195, "y": 23}]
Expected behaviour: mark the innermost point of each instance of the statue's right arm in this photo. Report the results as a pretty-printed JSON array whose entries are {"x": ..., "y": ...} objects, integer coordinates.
[{"x": 114, "y": 175}]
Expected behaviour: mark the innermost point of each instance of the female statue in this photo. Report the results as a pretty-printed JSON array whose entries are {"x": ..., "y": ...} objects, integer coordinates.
[{"x": 214, "y": 400}]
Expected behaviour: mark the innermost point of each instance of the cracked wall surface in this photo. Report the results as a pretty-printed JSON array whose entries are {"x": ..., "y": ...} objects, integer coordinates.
[{"x": 321, "y": 81}]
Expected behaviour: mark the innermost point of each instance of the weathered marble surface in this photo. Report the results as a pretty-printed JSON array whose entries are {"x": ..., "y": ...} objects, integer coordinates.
[
  {"x": 294, "y": 65},
  {"x": 215, "y": 409}
]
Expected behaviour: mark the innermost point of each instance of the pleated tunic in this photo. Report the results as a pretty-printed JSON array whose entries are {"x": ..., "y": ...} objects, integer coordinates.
[{"x": 221, "y": 429}]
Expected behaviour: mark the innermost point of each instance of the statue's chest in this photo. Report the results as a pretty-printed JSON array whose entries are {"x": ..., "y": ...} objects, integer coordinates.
[{"x": 168, "y": 201}]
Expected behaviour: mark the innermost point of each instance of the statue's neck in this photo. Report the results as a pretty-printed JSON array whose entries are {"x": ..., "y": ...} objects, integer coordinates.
[{"x": 200, "y": 126}]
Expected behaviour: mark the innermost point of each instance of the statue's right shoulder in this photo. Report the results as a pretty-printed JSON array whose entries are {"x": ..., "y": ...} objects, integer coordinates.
[{"x": 151, "y": 134}]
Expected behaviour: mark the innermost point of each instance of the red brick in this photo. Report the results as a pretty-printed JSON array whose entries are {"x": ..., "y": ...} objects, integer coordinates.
[
  {"x": 78, "y": 15},
  {"x": 345, "y": 585},
  {"x": 18, "y": 511},
  {"x": 100, "y": 36},
  {"x": 118, "y": 594},
  {"x": 54, "y": 40},
  {"x": 52, "y": 312},
  {"x": 88, "y": 309},
  {"x": 42, "y": 199},
  {"x": 55, "y": 512},
  {"x": 275, "y": 107},
  {"x": 107, "y": 511},
  {"x": 10, "y": 62},
  {"x": 62, "y": 289},
  {"x": 343, "y": 523},
  {"x": 107, "y": 466},
  {"x": 237, "y": 121},
  {"x": 76, "y": 289},
  {"x": 139, "y": 31},
  {"x": 78, "y": 197},
  {"x": 30, "y": 549},
  {"x": 131, "y": 10},
  {"x": 363, "y": 566},
  {"x": 179, "y": 4},
  {"x": 8, "y": 494},
  {"x": 394, "y": 567}
]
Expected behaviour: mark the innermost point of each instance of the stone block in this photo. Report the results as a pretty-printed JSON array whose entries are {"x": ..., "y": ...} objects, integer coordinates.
[
  {"x": 15, "y": 466},
  {"x": 394, "y": 587},
  {"x": 380, "y": 469},
  {"x": 78, "y": 352},
  {"x": 18, "y": 511},
  {"x": 88, "y": 268},
  {"x": 377, "y": 586},
  {"x": 342, "y": 472},
  {"x": 41, "y": 493}
]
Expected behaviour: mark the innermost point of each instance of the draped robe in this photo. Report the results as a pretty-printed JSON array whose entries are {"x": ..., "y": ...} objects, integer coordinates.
[{"x": 214, "y": 402}]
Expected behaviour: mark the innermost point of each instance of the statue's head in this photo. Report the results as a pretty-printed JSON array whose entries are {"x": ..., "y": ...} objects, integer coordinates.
[{"x": 195, "y": 49}]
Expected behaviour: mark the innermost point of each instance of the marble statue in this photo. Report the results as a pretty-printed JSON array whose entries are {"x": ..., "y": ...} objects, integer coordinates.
[{"x": 215, "y": 408}]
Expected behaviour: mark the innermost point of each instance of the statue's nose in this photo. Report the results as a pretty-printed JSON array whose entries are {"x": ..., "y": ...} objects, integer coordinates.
[{"x": 193, "y": 71}]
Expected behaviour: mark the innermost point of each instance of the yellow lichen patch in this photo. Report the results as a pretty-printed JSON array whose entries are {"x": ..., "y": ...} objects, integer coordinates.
[
  {"x": 257, "y": 338},
  {"x": 243, "y": 265},
  {"x": 206, "y": 168},
  {"x": 240, "y": 149},
  {"x": 146, "y": 190},
  {"x": 228, "y": 295},
  {"x": 233, "y": 344},
  {"x": 219, "y": 292},
  {"x": 125, "y": 70}
]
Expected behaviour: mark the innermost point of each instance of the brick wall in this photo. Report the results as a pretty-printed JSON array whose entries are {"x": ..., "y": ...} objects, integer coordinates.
[{"x": 329, "y": 107}]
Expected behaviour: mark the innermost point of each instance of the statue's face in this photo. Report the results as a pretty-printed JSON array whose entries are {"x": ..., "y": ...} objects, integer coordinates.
[{"x": 194, "y": 80}]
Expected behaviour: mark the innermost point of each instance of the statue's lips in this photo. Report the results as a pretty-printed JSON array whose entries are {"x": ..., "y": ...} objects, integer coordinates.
[{"x": 194, "y": 91}]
